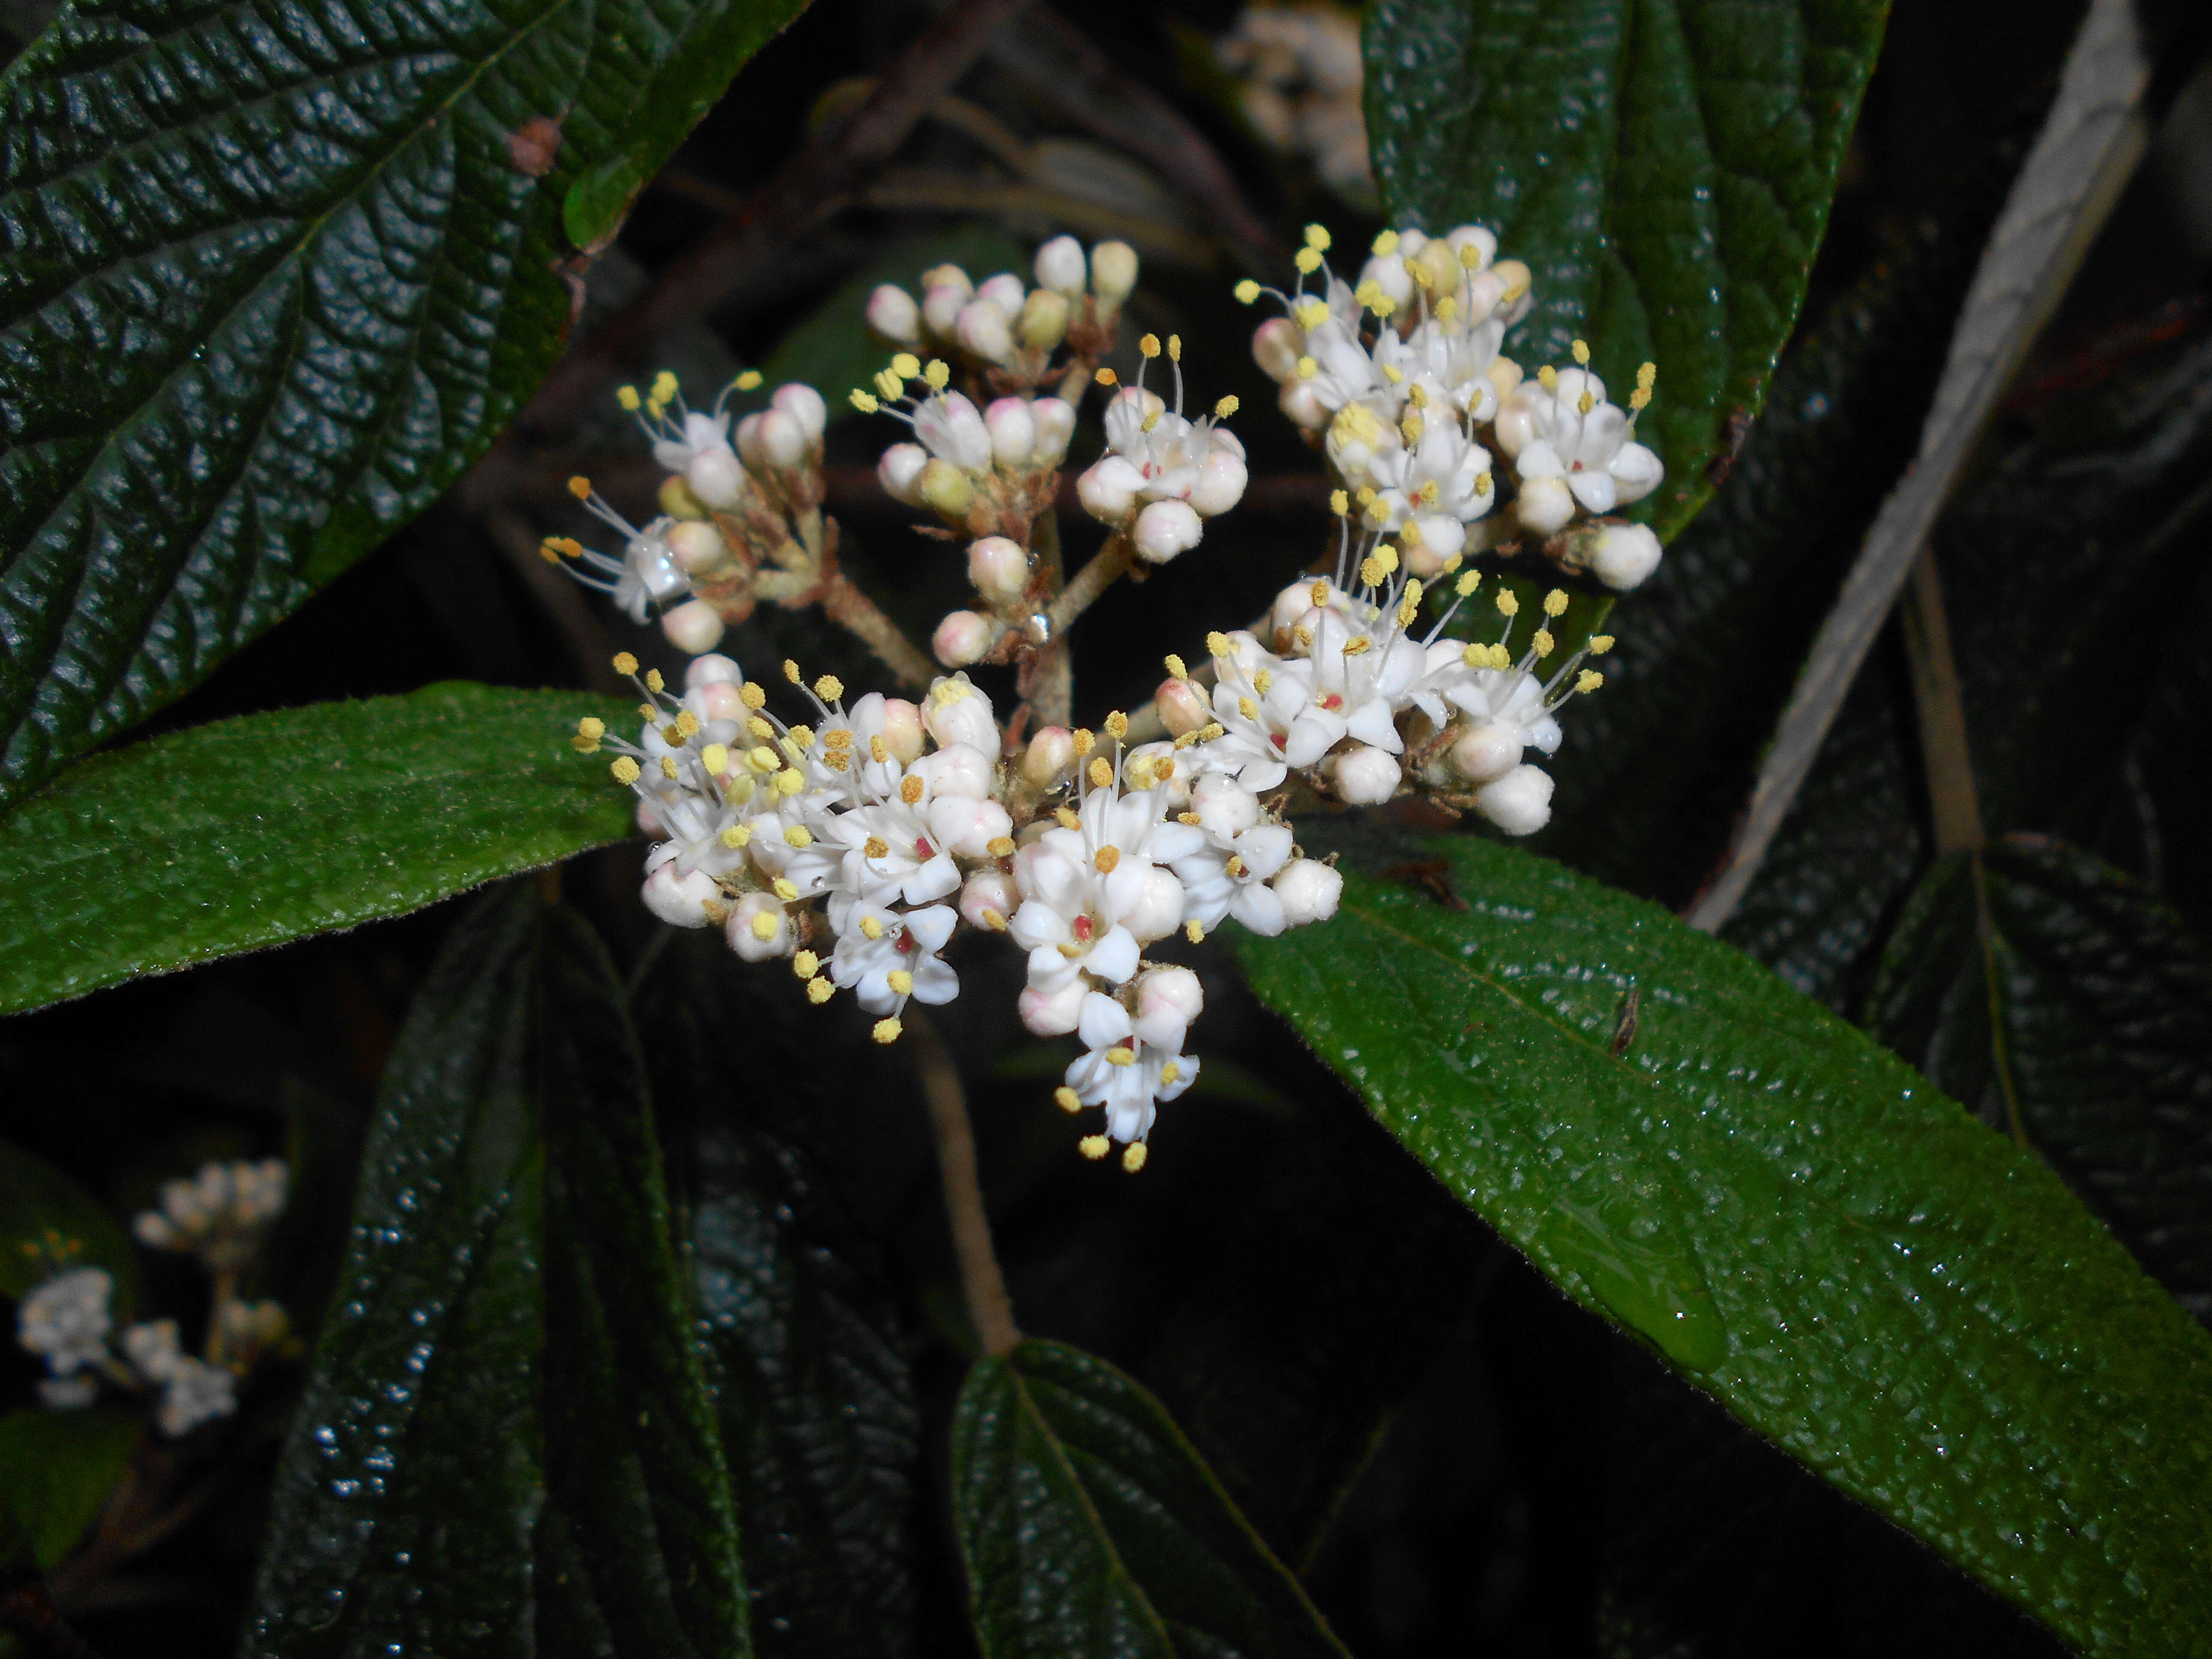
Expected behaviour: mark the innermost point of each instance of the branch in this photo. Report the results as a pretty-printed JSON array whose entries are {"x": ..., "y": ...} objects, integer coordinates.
[
  {"x": 2096, "y": 133},
  {"x": 1944, "y": 756},
  {"x": 989, "y": 1308}
]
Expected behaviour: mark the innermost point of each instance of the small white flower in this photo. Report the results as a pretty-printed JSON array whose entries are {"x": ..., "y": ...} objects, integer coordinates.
[
  {"x": 65, "y": 1320},
  {"x": 1567, "y": 430},
  {"x": 1310, "y": 891},
  {"x": 195, "y": 1392},
  {"x": 1122, "y": 1073},
  {"x": 1271, "y": 719},
  {"x": 884, "y": 956}
]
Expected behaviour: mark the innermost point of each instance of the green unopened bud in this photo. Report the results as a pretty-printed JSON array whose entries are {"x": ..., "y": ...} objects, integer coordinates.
[
  {"x": 1113, "y": 271},
  {"x": 946, "y": 489},
  {"x": 1043, "y": 322}
]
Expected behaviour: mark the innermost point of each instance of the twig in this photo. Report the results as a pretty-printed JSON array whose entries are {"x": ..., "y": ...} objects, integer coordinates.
[
  {"x": 2096, "y": 133},
  {"x": 989, "y": 1308},
  {"x": 854, "y": 611},
  {"x": 1059, "y": 62},
  {"x": 810, "y": 187},
  {"x": 1945, "y": 757},
  {"x": 1106, "y": 567}
]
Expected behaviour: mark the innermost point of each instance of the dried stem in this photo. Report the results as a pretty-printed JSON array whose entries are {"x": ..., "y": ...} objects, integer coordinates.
[
  {"x": 989, "y": 1308},
  {"x": 1944, "y": 756}
]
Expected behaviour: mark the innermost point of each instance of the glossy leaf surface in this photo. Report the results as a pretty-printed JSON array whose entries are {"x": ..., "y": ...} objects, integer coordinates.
[
  {"x": 1855, "y": 1267},
  {"x": 274, "y": 277},
  {"x": 251, "y": 831},
  {"x": 1665, "y": 170},
  {"x": 1088, "y": 1526}
]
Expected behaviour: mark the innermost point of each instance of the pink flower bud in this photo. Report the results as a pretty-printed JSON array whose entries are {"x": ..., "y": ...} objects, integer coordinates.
[
  {"x": 959, "y": 712},
  {"x": 998, "y": 567},
  {"x": 1049, "y": 758},
  {"x": 1014, "y": 432},
  {"x": 716, "y": 477},
  {"x": 966, "y": 828},
  {"x": 1060, "y": 266},
  {"x": 1303, "y": 405},
  {"x": 1625, "y": 555},
  {"x": 1159, "y": 906},
  {"x": 1168, "y": 999},
  {"x": 899, "y": 472},
  {"x": 1183, "y": 708},
  {"x": 1309, "y": 891},
  {"x": 718, "y": 701},
  {"x": 678, "y": 899},
  {"x": 1488, "y": 752},
  {"x": 1055, "y": 425},
  {"x": 1220, "y": 483},
  {"x": 1520, "y": 803},
  {"x": 893, "y": 314},
  {"x": 962, "y": 638},
  {"x": 982, "y": 328},
  {"x": 1365, "y": 776},
  {"x": 696, "y": 546},
  {"x": 990, "y": 889},
  {"x": 804, "y": 406},
  {"x": 902, "y": 730},
  {"x": 782, "y": 443},
  {"x": 941, "y": 305},
  {"x": 759, "y": 928},
  {"x": 711, "y": 671},
  {"x": 1108, "y": 488},
  {"x": 1054, "y": 1013},
  {"x": 1165, "y": 529},
  {"x": 1544, "y": 505},
  {"x": 1005, "y": 290},
  {"x": 956, "y": 769},
  {"x": 748, "y": 440},
  {"x": 693, "y": 625},
  {"x": 1277, "y": 345}
]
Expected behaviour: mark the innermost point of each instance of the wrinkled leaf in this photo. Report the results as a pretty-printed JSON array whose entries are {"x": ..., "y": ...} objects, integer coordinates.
[
  {"x": 1854, "y": 1266},
  {"x": 273, "y": 279},
  {"x": 50, "y": 1224},
  {"x": 2043, "y": 986},
  {"x": 251, "y": 831},
  {"x": 1665, "y": 170},
  {"x": 1088, "y": 1526},
  {"x": 57, "y": 1469}
]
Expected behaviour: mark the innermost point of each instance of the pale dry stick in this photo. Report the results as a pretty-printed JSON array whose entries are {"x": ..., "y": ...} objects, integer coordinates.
[
  {"x": 1945, "y": 758},
  {"x": 989, "y": 1308},
  {"x": 2096, "y": 133}
]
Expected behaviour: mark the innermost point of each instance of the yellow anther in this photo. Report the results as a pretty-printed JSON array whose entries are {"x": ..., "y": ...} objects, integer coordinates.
[
  {"x": 1581, "y": 350},
  {"x": 1149, "y": 345},
  {"x": 1178, "y": 669},
  {"x": 1508, "y": 606},
  {"x": 664, "y": 387},
  {"x": 554, "y": 548},
  {"x": 995, "y": 919},
  {"x": 805, "y": 965},
  {"x": 1359, "y": 647},
  {"x": 1543, "y": 643},
  {"x": 887, "y": 1031},
  {"x": 1417, "y": 395},
  {"x": 1308, "y": 369},
  {"x": 686, "y": 722},
  {"x": 1000, "y": 847},
  {"x": 1235, "y": 866},
  {"x": 669, "y": 769},
  {"x": 1470, "y": 256},
  {"x": 1105, "y": 377},
  {"x": 1153, "y": 419},
  {"x": 1469, "y": 581},
  {"x": 1338, "y": 502},
  {"x": 1555, "y": 603},
  {"x": 592, "y": 727},
  {"x": 901, "y": 982},
  {"x": 761, "y": 729},
  {"x": 624, "y": 768},
  {"x": 764, "y": 924},
  {"x": 1371, "y": 573},
  {"x": 1412, "y": 427},
  {"x": 905, "y": 365},
  {"x": 1224, "y": 407},
  {"x": 864, "y": 401},
  {"x": 1217, "y": 644},
  {"x": 1589, "y": 680},
  {"x": 1310, "y": 312},
  {"x": 1210, "y": 731},
  {"x": 1307, "y": 259},
  {"x": 735, "y": 835},
  {"x": 790, "y": 782},
  {"x": 1120, "y": 1055},
  {"x": 1600, "y": 644},
  {"x": 888, "y": 384},
  {"x": 628, "y": 398},
  {"x": 1387, "y": 557},
  {"x": 1647, "y": 375},
  {"x": 753, "y": 695},
  {"x": 1385, "y": 243},
  {"x": 624, "y": 663},
  {"x": 1175, "y": 348},
  {"x": 819, "y": 991},
  {"x": 837, "y": 738},
  {"x": 1366, "y": 494},
  {"x": 1132, "y": 1157},
  {"x": 1066, "y": 1099},
  {"x": 1083, "y": 740},
  {"x": 1584, "y": 403},
  {"x": 1484, "y": 483},
  {"x": 1092, "y": 1146},
  {"x": 580, "y": 488},
  {"x": 937, "y": 373},
  {"x": 1247, "y": 708},
  {"x": 1318, "y": 593},
  {"x": 715, "y": 757},
  {"x": 1170, "y": 1073},
  {"x": 910, "y": 791},
  {"x": 878, "y": 750},
  {"x": 875, "y": 848},
  {"x": 1195, "y": 931},
  {"x": 747, "y": 380},
  {"x": 1065, "y": 818},
  {"x": 1263, "y": 682},
  {"x": 799, "y": 737},
  {"x": 1106, "y": 860},
  {"x": 1117, "y": 725},
  {"x": 763, "y": 759},
  {"x": 1246, "y": 291},
  {"x": 799, "y": 836},
  {"x": 1317, "y": 238},
  {"x": 1549, "y": 377},
  {"x": 873, "y": 927},
  {"x": 1447, "y": 308},
  {"x": 1304, "y": 635},
  {"x": 791, "y": 671},
  {"x": 1101, "y": 774},
  {"x": 1638, "y": 401}
]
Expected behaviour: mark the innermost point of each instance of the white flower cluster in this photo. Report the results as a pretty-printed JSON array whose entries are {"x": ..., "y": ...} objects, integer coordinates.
[
  {"x": 856, "y": 844},
  {"x": 1162, "y": 476},
  {"x": 1401, "y": 403},
  {"x": 1006, "y": 328},
  {"x": 219, "y": 1214},
  {"x": 1299, "y": 70}
]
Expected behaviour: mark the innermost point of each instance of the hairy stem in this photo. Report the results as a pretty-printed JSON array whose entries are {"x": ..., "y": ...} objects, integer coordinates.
[
  {"x": 855, "y": 612},
  {"x": 989, "y": 1308}
]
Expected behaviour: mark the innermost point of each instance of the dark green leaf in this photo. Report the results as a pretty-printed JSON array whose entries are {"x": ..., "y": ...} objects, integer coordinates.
[
  {"x": 57, "y": 1469},
  {"x": 832, "y": 349},
  {"x": 273, "y": 281},
  {"x": 1665, "y": 170},
  {"x": 256, "y": 831},
  {"x": 2043, "y": 986},
  {"x": 634, "y": 1458},
  {"x": 1088, "y": 1526},
  {"x": 412, "y": 1482},
  {"x": 50, "y": 1224},
  {"x": 1857, "y": 1269}
]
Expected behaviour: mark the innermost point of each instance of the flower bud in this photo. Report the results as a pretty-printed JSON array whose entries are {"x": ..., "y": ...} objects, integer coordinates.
[
  {"x": 696, "y": 546},
  {"x": 718, "y": 701},
  {"x": 711, "y": 671},
  {"x": 893, "y": 314},
  {"x": 780, "y": 441},
  {"x": 1520, "y": 803},
  {"x": 1113, "y": 271},
  {"x": 676, "y": 500},
  {"x": 1514, "y": 427},
  {"x": 1107, "y": 487},
  {"x": 1054, "y": 1013},
  {"x": 954, "y": 429},
  {"x": 804, "y": 406},
  {"x": 1544, "y": 505},
  {"x": 678, "y": 899},
  {"x": 966, "y": 827},
  {"x": 1049, "y": 758},
  {"x": 1309, "y": 891},
  {"x": 747, "y": 439},
  {"x": 956, "y": 769},
  {"x": 1005, "y": 290},
  {"x": 1224, "y": 806},
  {"x": 716, "y": 477},
  {"x": 1623, "y": 556},
  {"x": 1168, "y": 999},
  {"x": 942, "y": 304},
  {"x": 1013, "y": 433},
  {"x": 902, "y": 730},
  {"x": 989, "y": 889},
  {"x": 1060, "y": 266},
  {"x": 1365, "y": 776},
  {"x": 1388, "y": 272},
  {"x": 693, "y": 625},
  {"x": 962, "y": 638},
  {"x": 982, "y": 328},
  {"x": 1277, "y": 345},
  {"x": 1165, "y": 529},
  {"x": 1183, "y": 706},
  {"x": 899, "y": 472},
  {"x": 1043, "y": 323},
  {"x": 1220, "y": 483},
  {"x": 759, "y": 928},
  {"x": 1159, "y": 906},
  {"x": 1301, "y": 404},
  {"x": 946, "y": 489},
  {"x": 1489, "y": 751},
  {"x": 1000, "y": 569},
  {"x": 1055, "y": 425}
]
